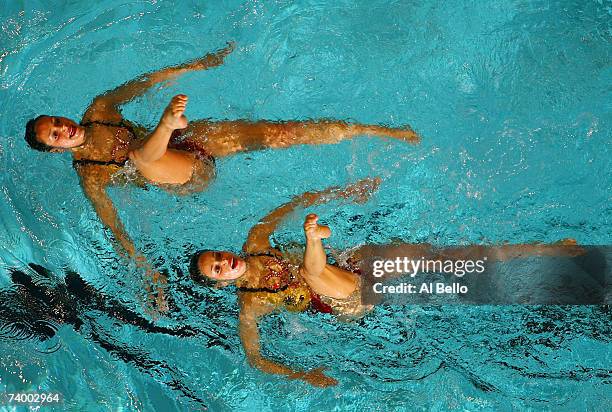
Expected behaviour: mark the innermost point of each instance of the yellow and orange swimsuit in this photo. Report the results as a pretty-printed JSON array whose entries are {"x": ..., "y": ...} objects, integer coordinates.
[{"x": 286, "y": 288}]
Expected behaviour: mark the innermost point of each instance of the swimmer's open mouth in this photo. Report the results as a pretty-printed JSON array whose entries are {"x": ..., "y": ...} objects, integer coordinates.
[
  {"x": 72, "y": 131},
  {"x": 233, "y": 263}
]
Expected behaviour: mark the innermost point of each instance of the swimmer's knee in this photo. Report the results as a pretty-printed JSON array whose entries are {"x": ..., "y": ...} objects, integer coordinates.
[
  {"x": 137, "y": 159},
  {"x": 309, "y": 273}
]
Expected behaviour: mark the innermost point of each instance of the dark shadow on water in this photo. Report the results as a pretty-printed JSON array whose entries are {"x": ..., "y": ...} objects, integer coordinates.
[{"x": 38, "y": 302}]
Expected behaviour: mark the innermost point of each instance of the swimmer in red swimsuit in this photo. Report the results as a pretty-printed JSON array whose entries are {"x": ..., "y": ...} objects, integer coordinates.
[
  {"x": 104, "y": 141},
  {"x": 270, "y": 278}
]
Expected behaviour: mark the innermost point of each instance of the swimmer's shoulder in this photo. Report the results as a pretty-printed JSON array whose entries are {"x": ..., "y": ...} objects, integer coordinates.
[
  {"x": 92, "y": 173},
  {"x": 256, "y": 304},
  {"x": 101, "y": 110},
  {"x": 257, "y": 249}
]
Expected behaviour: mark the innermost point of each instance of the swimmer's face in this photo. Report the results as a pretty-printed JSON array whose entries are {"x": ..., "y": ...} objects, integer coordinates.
[
  {"x": 59, "y": 132},
  {"x": 221, "y": 266}
]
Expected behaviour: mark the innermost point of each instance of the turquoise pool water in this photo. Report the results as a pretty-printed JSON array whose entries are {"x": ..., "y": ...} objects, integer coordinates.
[{"x": 512, "y": 99}]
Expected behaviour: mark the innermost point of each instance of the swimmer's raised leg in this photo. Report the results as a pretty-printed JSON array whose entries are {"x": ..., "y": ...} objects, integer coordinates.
[
  {"x": 321, "y": 277},
  {"x": 315, "y": 257},
  {"x": 154, "y": 160},
  {"x": 227, "y": 137}
]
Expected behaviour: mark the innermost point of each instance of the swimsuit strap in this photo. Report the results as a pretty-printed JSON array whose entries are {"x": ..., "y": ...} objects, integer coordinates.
[
  {"x": 266, "y": 253},
  {"x": 98, "y": 162},
  {"x": 122, "y": 123},
  {"x": 267, "y": 290}
]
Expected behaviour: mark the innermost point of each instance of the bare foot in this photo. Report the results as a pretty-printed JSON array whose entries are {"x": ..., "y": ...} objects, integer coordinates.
[
  {"x": 405, "y": 134},
  {"x": 566, "y": 242},
  {"x": 313, "y": 230},
  {"x": 174, "y": 117},
  {"x": 570, "y": 247},
  {"x": 317, "y": 377}
]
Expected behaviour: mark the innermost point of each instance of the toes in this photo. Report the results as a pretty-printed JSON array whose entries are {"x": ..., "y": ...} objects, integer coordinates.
[
  {"x": 312, "y": 217},
  {"x": 180, "y": 99}
]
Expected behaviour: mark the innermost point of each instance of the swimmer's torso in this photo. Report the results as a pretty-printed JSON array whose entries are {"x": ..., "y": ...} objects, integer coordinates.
[
  {"x": 189, "y": 168},
  {"x": 109, "y": 142},
  {"x": 278, "y": 283}
]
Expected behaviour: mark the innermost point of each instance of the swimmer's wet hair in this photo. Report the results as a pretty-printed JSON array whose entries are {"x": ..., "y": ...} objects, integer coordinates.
[
  {"x": 32, "y": 139},
  {"x": 194, "y": 270}
]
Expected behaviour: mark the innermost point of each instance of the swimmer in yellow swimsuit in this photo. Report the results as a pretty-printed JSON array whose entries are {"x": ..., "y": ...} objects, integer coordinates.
[
  {"x": 271, "y": 278},
  {"x": 176, "y": 155}
]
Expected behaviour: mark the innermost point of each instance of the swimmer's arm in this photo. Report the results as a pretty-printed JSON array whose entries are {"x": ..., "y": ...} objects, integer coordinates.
[
  {"x": 258, "y": 239},
  {"x": 156, "y": 145},
  {"x": 106, "y": 106},
  {"x": 94, "y": 186},
  {"x": 259, "y": 236},
  {"x": 250, "y": 313}
]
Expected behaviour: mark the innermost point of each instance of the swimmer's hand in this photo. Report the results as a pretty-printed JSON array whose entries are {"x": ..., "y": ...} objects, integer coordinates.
[
  {"x": 359, "y": 191},
  {"x": 313, "y": 230},
  {"x": 362, "y": 190},
  {"x": 174, "y": 115},
  {"x": 154, "y": 285},
  {"x": 317, "y": 378},
  {"x": 212, "y": 59}
]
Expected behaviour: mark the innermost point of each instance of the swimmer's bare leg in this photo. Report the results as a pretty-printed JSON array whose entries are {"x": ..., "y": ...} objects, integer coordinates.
[
  {"x": 156, "y": 144},
  {"x": 227, "y": 137},
  {"x": 154, "y": 160},
  {"x": 315, "y": 257},
  {"x": 566, "y": 247},
  {"x": 322, "y": 277},
  {"x": 330, "y": 131}
]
